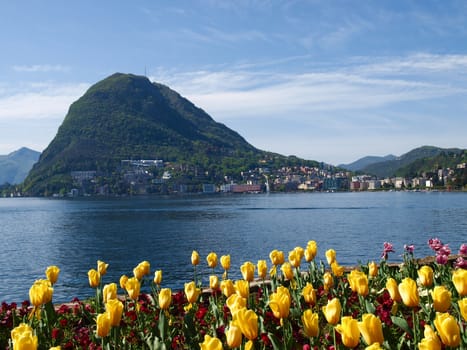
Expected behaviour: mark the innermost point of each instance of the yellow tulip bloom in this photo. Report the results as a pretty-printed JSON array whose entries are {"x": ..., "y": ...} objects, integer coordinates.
[
  {"x": 103, "y": 324},
  {"x": 330, "y": 256},
  {"x": 372, "y": 269},
  {"x": 109, "y": 292},
  {"x": 122, "y": 281},
  {"x": 212, "y": 260},
  {"x": 194, "y": 258},
  {"x": 192, "y": 292},
  {"x": 371, "y": 329},
  {"x": 393, "y": 289},
  {"x": 277, "y": 257},
  {"x": 337, "y": 269},
  {"x": 459, "y": 278},
  {"x": 348, "y": 328},
  {"x": 235, "y": 302},
  {"x": 328, "y": 281},
  {"x": 448, "y": 329},
  {"x": 132, "y": 286},
  {"x": 52, "y": 273},
  {"x": 463, "y": 308},
  {"x": 409, "y": 292},
  {"x": 262, "y": 267},
  {"x": 94, "y": 278},
  {"x": 309, "y": 294},
  {"x": 311, "y": 251},
  {"x": 430, "y": 340},
  {"x": 310, "y": 323},
  {"x": 441, "y": 298},
  {"x": 141, "y": 270},
  {"x": 210, "y": 343},
  {"x": 247, "y": 321},
  {"x": 227, "y": 288},
  {"x": 358, "y": 282},
  {"x": 425, "y": 276},
  {"x": 158, "y": 277},
  {"x": 294, "y": 258},
  {"x": 115, "y": 309},
  {"x": 23, "y": 338},
  {"x": 242, "y": 288},
  {"x": 332, "y": 311},
  {"x": 40, "y": 292},
  {"x": 287, "y": 271},
  {"x": 213, "y": 282},
  {"x": 102, "y": 267},
  {"x": 375, "y": 346},
  {"x": 165, "y": 298},
  {"x": 279, "y": 302},
  {"x": 233, "y": 336},
  {"x": 248, "y": 271},
  {"x": 225, "y": 262}
]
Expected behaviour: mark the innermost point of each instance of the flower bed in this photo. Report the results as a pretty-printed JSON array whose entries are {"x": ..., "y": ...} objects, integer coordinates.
[{"x": 295, "y": 304}]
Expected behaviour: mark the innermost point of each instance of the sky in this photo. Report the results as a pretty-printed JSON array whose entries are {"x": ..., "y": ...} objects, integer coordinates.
[{"x": 330, "y": 80}]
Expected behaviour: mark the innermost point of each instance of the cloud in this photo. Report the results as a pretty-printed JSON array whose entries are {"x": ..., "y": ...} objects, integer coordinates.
[{"x": 45, "y": 68}]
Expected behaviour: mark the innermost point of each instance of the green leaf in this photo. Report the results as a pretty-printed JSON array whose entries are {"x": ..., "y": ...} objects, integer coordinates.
[
  {"x": 370, "y": 308},
  {"x": 276, "y": 344},
  {"x": 402, "y": 323}
]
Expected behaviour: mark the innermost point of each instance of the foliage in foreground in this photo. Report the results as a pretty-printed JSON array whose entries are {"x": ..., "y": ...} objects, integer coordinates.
[{"x": 296, "y": 305}]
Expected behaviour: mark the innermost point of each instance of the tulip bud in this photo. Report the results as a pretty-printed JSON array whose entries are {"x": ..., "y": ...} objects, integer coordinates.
[
  {"x": 262, "y": 269},
  {"x": 393, "y": 289},
  {"x": 52, "y": 274},
  {"x": 448, "y": 329},
  {"x": 158, "y": 277},
  {"x": 194, "y": 258},
  {"x": 349, "y": 331},
  {"x": 102, "y": 267},
  {"x": 310, "y": 323},
  {"x": 225, "y": 262},
  {"x": 165, "y": 298},
  {"x": 122, "y": 281},
  {"x": 441, "y": 298},
  {"x": 94, "y": 278},
  {"x": 212, "y": 259},
  {"x": 328, "y": 281},
  {"x": 371, "y": 329},
  {"x": 192, "y": 292},
  {"x": 425, "y": 275},
  {"x": 330, "y": 256},
  {"x": 332, "y": 311},
  {"x": 372, "y": 269},
  {"x": 409, "y": 292},
  {"x": 248, "y": 271}
]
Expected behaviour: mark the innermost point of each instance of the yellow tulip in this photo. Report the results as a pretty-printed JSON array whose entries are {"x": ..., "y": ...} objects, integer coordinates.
[
  {"x": 165, "y": 298},
  {"x": 248, "y": 271},
  {"x": 375, "y": 346},
  {"x": 40, "y": 292},
  {"x": 102, "y": 267},
  {"x": 141, "y": 270},
  {"x": 348, "y": 328},
  {"x": 371, "y": 329},
  {"x": 145, "y": 266},
  {"x": 393, "y": 289},
  {"x": 279, "y": 302},
  {"x": 309, "y": 294},
  {"x": 210, "y": 343},
  {"x": 328, "y": 281},
  {"x": 310, "y": 323},
  {"x": 425, "y": 275},
  {"x": 247, "y": 321},
  {"x": 115, "y": 309},
  {"x": 330, "y": 256},
  {"x": 109, "y": 292},
  {"x": 287, "y": 271},
  {"x": 311, "y": 251},
  {"x": 242, "y": 288},
  {"x": 332, "y": 311},
  {"x": 459, "y": 278},
  {"x": 55, "y": 348},
  {"x": 225, "y": 262},
  {"x": 441, "y": 298},
  {"x": 250, "y": 345},
  {"x": 192, "y": 292},
  {"x": 277, "y": 257},
  {"x": 52, "y": 273},
  {"x": 122, "y": 281},
  {"x": 158, "y": 277},
  {"x": 212, "y": 259},
  {"x": 213, "y": 282},
  {"x": 103, "y": 324},
  {"x": 227, "y": 288},
  {"x": 430, "y": 340},
  {"x": 409, "y": 292},
  {"x": 262, "y": 269},
  {"x": 235, "y": 302},
  {"x": 132, "y": 286},
  {"x": 372, "y": 269},
  {"x": 23, "y": 338},
  {"x": 233, "y": 336},
  {"x": 294, "y": 258},
  {"x": 463, "y": 308},
  {"x": 448, "y": 329},
  {"x": 337, "y": 269},
  {"x": 194, "y": 258},
  {"x": 358, "y": 282},
  {"x": 94, "y": 278}
]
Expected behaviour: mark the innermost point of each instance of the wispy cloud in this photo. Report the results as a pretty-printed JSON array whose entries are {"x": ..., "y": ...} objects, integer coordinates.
[{"x": 42, "y": 68}]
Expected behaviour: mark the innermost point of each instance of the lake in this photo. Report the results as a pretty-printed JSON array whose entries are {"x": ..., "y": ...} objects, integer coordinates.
[{"x": 74, "y": 233}]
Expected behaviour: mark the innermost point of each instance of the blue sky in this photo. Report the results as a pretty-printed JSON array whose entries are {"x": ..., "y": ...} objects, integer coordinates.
[{"x": 326, "y": 80}]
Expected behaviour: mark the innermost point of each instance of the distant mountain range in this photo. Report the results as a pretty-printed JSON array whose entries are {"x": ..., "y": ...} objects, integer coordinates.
[
  {"x": 15, "y": 166},
  {"x": 410, "y": 164}
]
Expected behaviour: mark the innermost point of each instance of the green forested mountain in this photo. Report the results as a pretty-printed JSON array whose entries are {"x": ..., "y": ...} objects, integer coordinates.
[{"x": 127, "y": 117}]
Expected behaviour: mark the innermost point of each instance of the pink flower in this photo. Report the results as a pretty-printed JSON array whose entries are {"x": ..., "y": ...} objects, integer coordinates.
[
  {"x": 460, "y": 263},
  {"x": 388, "y": 248},
  {"x": 463, "y": 249},
  {"x": 441, "y": 259},
  {"x": 409, "y": 248},
  {"x": 435, "y": 244}
]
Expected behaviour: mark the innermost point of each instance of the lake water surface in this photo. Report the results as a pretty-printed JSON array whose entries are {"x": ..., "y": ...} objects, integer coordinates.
[{"x": 75, "y": 233}]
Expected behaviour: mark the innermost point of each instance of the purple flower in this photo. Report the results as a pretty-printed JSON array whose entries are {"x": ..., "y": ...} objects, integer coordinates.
[
  {"x": 463, "y": 249},
  {"x": 409, "y": 248},
  {"x": 388, "y": 248},
  {"x": 435, "y": 244},
  {"x": 460, "y": 263},
  {"x": 441, "y": 259},
  {"x": 444, "y": 250}
]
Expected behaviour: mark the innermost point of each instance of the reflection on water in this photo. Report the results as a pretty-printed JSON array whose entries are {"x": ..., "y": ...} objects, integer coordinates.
[{"x": 74, "y": 234}]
